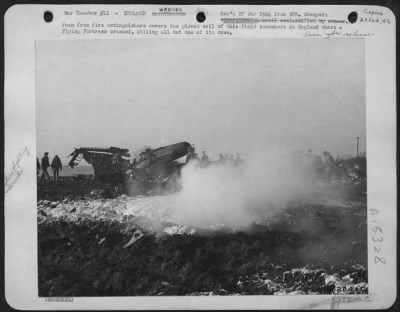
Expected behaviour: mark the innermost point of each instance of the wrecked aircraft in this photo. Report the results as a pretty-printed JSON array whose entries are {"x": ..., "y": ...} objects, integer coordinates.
[{"x": 153, "y": 168}]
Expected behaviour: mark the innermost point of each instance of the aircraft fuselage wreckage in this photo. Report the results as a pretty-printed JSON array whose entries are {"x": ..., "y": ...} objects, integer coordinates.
[{"x": 154, "y": 168}]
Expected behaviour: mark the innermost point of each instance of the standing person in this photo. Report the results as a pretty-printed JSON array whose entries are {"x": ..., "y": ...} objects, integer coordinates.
[
  {"x": 204, "y": 159},
  {"x": 37, "y": 167},
  {"x": 329, "y": 164},
  {"x": 238, "y": 160},
  {"x": 45, "y": 164},
  {"x": 319, "y": 167},
  {"x": 56, "y": 166},
  {"x": 226, "y": 159},
  {"x": 221, "y": 159},
  {"x": 231, "y": 160}
]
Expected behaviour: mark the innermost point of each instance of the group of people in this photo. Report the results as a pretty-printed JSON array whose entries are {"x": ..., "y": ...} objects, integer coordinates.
[
  {"x": 223, "y": 159},
  {"x": 230, "y": 160},
  {"x": 44, "y": 164},
  {"x": 313, "y": 166}
]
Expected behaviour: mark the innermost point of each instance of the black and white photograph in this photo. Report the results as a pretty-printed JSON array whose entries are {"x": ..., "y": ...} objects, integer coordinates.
[{"x": 201, "y": 167}]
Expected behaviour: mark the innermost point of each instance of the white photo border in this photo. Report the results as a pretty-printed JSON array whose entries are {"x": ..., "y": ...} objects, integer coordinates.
[{"x": 24, "y": 26}]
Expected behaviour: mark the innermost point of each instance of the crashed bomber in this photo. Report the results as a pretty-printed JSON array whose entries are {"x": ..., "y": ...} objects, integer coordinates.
[{"x": 155, "y": 167}]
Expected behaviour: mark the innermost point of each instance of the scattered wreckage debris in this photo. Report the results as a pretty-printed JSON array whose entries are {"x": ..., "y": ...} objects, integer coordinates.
[
  {"x": 135, "y": 237},
  {"x": 98, "y": 247}
]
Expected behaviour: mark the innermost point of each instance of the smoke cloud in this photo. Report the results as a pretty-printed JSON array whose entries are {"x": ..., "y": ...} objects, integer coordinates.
[{"x": 238, "y": 196}]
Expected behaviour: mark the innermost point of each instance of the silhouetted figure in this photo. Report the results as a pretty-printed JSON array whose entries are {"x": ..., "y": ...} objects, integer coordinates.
[
  {"x": 319, "y": 166},
  {"x": 45, "y": 163},
  {"x": 56, "y": 166},
  {"x": 238, "y": 160},
  {"x": 204, "y": 159},
  {"x": 226, "y": 158},
  {"x": 221, "y": 159},
  {"x": 329, "y": 164},
  {"x": 231, "y": 160}
]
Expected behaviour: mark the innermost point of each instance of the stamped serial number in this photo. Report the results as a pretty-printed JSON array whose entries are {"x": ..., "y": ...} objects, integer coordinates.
[
  {"x": 375, "y": 20},
  {"x": 351, "y": 290}
]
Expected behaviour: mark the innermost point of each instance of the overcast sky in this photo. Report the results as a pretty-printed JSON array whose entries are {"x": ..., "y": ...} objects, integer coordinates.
[{"x": 223, "y": 95}]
